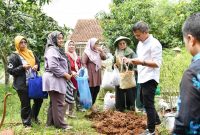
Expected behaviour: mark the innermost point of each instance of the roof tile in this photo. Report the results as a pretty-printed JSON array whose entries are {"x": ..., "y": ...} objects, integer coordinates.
[{"x": 86, "y": 29}]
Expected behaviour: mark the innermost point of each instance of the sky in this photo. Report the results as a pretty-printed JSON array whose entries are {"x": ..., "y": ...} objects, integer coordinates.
[{"x": 69, "y": 11}]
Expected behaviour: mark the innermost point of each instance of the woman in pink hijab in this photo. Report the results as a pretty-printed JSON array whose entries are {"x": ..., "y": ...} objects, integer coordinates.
[{"x": 91, "y": 59}]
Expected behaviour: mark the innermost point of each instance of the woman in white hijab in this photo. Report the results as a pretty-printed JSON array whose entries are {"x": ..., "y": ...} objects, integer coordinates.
[{"x": 75, "y": 63}]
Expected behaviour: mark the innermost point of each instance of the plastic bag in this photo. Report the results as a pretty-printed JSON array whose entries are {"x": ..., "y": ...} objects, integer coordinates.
[
  {"x": 109, "y": 101},
  {"x": 115, "y": 77},
  {"x": 168, "y": 121},
  {"x": 107, "y": 82},
  {"x": 83, "y": 88},
  {"x": 157, "y": 90},
  {"x": 83, "y": 72}
]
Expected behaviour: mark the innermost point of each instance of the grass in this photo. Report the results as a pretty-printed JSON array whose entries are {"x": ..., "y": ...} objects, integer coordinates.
[{"x": 13, "y": 121}]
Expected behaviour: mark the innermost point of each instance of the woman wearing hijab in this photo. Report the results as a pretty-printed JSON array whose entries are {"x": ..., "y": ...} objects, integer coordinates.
[
  {"x": 75, "y": 63},
  {"x": 92, "y": 56},
  {"x": 55, "y": 79},
  {"x": 21, "y": 64},
  {"x": 125, "y": 98}
]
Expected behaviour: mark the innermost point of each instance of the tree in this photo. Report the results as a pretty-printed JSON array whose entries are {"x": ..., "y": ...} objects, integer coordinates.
[
  {"x": 24, "y": 18},
  {"x": 164, "y": 17},
  {"x": 122, "y": 17}
]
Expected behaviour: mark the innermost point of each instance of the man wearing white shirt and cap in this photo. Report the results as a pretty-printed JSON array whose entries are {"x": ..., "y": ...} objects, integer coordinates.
[{"x": 149, "y": 52}]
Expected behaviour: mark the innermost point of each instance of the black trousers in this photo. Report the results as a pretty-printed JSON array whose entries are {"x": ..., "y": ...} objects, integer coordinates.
[
  {"x": 125, "y": 99},
  {"x": 94, "y": 92},
  {"x": 147, "y": 97},
  {"x": 26, "y": 112}
]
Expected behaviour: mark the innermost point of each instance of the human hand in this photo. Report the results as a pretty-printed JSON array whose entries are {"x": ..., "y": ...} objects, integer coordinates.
[
  {"x": 35, "y": 67},
  {"x": 99, "y": 49},
  {"x": 74, "y": 74},
  {"x": 126, "y": 60},
  {"x": 115, "y": 65},
  {"x": 67, "y": 76},
  {"x": 26, "y": 66},
  {"x": 136, "y": 61}
]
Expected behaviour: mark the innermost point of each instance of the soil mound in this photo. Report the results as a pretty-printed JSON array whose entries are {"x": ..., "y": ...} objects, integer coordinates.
[{"x": 114, "y": 122}]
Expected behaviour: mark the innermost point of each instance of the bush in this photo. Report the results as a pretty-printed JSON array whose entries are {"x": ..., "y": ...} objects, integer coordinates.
[{"x": 172, "y": 70}]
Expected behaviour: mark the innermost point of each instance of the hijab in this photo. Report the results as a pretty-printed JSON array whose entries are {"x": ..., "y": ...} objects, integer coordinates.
[
  {"x": 125, "y": 52},
  {"x": 26, "y": 53},
  {"x": 92, "y": 54},
  {"x": 52, "y": 42},
  {"x": 73, "y": 55}
]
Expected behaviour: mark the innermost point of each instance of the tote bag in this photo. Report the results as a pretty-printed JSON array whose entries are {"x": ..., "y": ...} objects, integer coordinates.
[
  {"x": 35, "y": 87},
  {"x": 127, "y": 79}
]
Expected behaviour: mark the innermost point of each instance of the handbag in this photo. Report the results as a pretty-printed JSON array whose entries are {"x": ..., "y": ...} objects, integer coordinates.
[
  {"x": 127, "y": 79},
  {"x": 35, "y": 87},
  {"x": 69, "y": 97}
]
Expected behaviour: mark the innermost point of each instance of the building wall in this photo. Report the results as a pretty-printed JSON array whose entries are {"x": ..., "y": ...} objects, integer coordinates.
[
  {"x": 80, "y": 49},
  {"x": 80, "y": 46}
]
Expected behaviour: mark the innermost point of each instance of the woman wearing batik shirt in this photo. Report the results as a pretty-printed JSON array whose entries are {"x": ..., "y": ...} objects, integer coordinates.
[{"x": 92, "y": 56}]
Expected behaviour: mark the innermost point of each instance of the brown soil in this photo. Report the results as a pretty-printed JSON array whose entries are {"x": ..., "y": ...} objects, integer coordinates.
[{"x": 113, "y": 122}]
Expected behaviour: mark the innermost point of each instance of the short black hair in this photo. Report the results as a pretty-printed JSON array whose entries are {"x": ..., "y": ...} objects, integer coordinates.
[
  {"x": 141, "y": 26},
  {"x": 192, "y": 26}
]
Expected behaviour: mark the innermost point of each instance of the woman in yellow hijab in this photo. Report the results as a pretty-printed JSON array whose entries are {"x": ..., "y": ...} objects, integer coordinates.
[
  {"x": 20, "y": 65},
  {"x": 22, "y": 50}
]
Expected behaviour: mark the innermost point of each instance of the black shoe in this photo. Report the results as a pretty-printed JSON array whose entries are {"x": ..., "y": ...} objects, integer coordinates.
[
  {"x": 36, "y": 121},
  {"x": 27, "y": 126}
]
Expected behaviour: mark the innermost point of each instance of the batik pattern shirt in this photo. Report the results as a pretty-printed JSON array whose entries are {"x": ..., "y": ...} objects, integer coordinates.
[{"x": 187, "y": 121}]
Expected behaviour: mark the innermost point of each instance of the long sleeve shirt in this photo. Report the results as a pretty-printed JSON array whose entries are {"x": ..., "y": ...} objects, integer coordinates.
[
  {"x": 188, "y": 119},
  {"x": 150, "y": 49}
]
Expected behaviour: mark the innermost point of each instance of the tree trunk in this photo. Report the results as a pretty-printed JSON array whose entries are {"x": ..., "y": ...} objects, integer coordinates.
[{"x": 6, "y": 74}]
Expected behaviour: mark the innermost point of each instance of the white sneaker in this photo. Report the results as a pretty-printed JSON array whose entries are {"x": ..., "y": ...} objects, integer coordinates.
[
  {"x": 68, "y": 128},
  {"x": 71, "y": 116},
  {"x": 146, "y": 132},
  {"x": 83, "y": 110}
]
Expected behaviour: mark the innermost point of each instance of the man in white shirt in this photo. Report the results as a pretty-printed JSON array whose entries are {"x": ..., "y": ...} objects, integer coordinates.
[{"x": 149, "y": 52}]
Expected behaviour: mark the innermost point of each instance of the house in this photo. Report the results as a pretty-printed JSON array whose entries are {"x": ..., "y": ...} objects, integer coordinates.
[{"x": 83, "y": 31}]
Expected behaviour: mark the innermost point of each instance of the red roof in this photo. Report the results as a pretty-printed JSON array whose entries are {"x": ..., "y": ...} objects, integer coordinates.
[{"x": 86, "y": 29}]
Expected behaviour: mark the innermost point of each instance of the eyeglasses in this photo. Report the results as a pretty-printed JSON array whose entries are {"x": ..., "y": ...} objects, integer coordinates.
[{"x": 23, "y": 42}]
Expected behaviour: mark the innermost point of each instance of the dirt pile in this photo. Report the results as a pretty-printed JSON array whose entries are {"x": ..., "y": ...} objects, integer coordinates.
[{"x": 113, "y": 122}]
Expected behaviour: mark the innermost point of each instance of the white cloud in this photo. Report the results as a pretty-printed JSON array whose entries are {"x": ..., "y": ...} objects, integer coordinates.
[{"x": 69, "y": 11}]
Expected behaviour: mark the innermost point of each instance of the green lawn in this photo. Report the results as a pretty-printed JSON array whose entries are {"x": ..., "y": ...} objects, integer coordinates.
[
  {"x": 12, "y": 120},
  {"x": 81, "y": 125}
]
